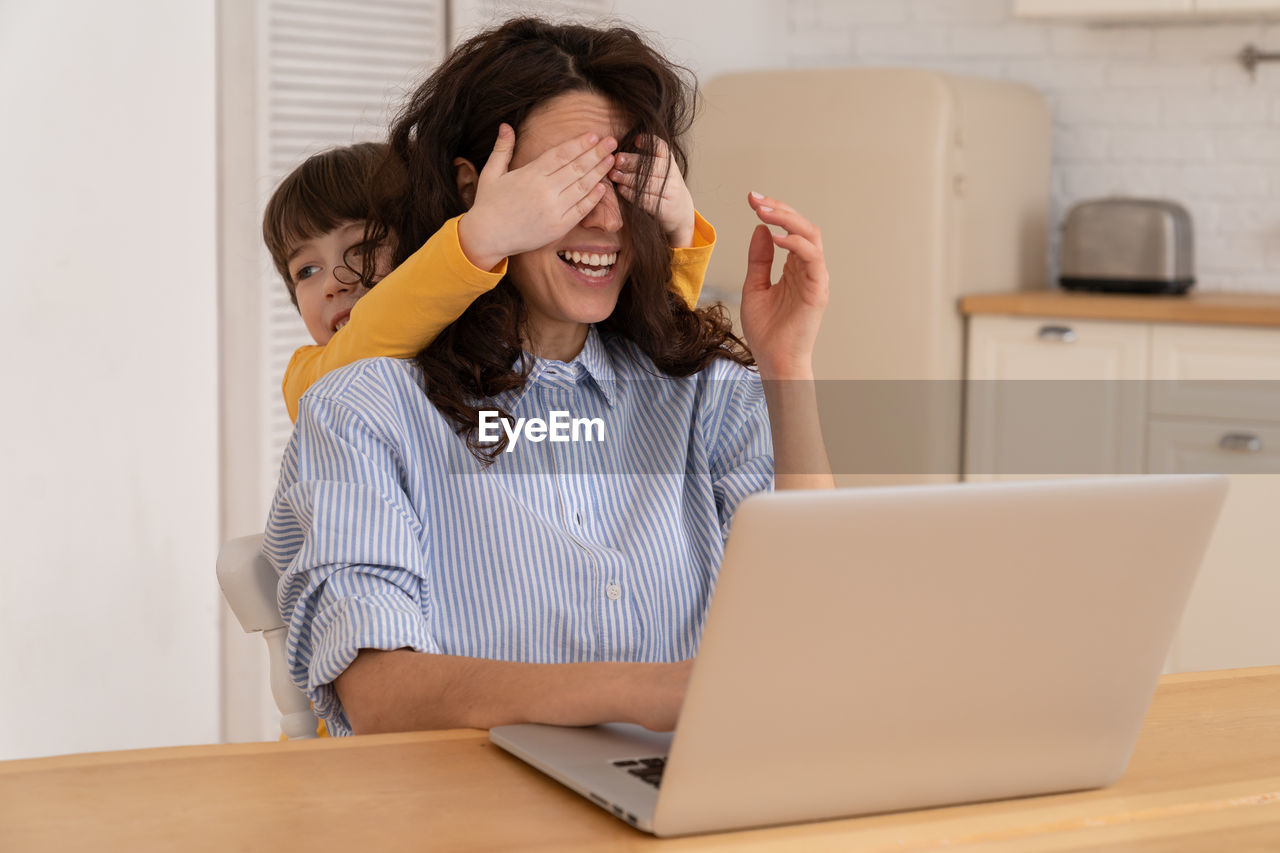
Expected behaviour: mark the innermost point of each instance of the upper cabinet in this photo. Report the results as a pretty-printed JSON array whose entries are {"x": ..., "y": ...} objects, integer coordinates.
[
  {"x": 1140, "y": 10},
  {"x": 1236, "y": 7}
]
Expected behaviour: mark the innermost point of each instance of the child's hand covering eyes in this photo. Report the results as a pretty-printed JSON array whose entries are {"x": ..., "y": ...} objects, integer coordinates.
[
  {"x": 529, "y": 207},
  {"x": 664, "y": 195}
]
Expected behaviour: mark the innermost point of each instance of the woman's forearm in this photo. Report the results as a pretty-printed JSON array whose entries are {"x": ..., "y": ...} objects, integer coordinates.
[
  {"x": 405, "y": 690},
  {"x": 799, "y": 453},
  {"x": 780, "y": 321}
]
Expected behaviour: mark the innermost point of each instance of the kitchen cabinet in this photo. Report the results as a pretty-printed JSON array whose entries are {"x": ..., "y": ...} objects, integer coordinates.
[
  {"x": 1059, "y": 395},
  {"x": 1100, "y": 9},
  {"x": 1140, "y": 10},
  {"x": 1053, "y": 397},
  {"x": 1206, "y": 7}
]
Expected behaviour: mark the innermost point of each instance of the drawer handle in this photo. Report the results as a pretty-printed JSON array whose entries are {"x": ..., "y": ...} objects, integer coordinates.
[
  {"x": 1061, "y": 334},
  {"x": 1240, "y": 442}
]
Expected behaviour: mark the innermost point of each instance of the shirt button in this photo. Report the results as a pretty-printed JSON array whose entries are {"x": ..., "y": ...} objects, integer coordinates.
[{"x": 613, "y": 591}]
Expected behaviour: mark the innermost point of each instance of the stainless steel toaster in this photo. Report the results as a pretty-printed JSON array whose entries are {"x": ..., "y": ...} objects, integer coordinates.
[{"x": 1127, "y": 245}]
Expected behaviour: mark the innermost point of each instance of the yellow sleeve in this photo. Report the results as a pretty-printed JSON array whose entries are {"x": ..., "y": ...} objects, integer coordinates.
[
  {"x": 689, "y": 266},
  {"x": 401, "y": 315}
]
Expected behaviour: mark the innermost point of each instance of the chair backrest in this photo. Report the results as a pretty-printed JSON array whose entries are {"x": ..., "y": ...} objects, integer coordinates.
[{"x": 248, "y": 583}]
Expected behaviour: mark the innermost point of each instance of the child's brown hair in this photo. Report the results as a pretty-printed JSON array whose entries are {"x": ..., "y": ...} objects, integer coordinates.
[{"x": 328, "y": 189}]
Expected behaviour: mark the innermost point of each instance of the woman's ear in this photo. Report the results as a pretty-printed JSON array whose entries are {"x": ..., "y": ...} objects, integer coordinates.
[{"x": 467, "y": 176}]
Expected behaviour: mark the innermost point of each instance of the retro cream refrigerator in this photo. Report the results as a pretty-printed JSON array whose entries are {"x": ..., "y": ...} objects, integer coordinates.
[{"x": 927, "y": 186}]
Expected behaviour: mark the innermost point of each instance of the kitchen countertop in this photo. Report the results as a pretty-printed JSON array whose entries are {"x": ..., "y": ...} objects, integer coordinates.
[{"x": 1228, "y": 309}]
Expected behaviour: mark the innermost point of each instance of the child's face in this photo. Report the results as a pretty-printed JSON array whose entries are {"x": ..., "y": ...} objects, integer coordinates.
[{"x": 326, "y": 278}]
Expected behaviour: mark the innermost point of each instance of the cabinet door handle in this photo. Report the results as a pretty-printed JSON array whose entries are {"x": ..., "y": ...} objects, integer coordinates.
[
  {"x": 1061, "y": 334},
  {"x": 1240, "y": 442}
]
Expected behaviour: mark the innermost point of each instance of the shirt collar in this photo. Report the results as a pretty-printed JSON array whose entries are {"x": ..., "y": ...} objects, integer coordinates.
[{"x": 594, "y": 362}]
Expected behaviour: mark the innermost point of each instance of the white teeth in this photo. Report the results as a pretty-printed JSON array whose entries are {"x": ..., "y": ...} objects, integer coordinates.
[
  {"x": 341, "y": 323},
  {"x": 590, "y": 258}
]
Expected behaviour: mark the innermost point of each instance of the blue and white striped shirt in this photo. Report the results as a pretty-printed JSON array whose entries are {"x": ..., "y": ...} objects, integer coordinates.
[{"x": 391, "y": 534}]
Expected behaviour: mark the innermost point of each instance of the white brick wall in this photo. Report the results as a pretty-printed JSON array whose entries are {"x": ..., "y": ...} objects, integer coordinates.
[{"x": 1157, "y": 110}]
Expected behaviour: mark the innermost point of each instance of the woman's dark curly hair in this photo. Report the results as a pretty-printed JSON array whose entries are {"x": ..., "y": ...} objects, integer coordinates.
[{"x": 501, "y": 76}]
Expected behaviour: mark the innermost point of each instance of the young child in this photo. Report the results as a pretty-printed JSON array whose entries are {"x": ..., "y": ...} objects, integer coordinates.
[{"x": 314, "y": 228}]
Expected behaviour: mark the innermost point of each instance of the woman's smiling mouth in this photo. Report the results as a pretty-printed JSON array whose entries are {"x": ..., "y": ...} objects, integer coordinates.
[{"x": 590, "y": 264}]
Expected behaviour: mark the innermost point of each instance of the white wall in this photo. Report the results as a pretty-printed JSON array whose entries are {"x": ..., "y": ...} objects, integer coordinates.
[
  {"x": 1155, "y": 110},
  {"x": 108, "y": 502},
  {"x": 714, "y": 36}
]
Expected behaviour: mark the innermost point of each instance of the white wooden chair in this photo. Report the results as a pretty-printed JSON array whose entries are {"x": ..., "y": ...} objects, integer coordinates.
[{"x": 248, "y": 583}]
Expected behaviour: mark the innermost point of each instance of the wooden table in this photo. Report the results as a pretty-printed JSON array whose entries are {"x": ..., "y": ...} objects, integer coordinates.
[{"x": 1205, "y": 777}]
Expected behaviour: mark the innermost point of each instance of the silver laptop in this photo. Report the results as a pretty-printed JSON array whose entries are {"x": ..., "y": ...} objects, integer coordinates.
[{"x": 871, "y": 650}]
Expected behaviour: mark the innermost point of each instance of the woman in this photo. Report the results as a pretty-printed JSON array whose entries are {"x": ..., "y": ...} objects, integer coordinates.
[{"x": 435, "y": 579}]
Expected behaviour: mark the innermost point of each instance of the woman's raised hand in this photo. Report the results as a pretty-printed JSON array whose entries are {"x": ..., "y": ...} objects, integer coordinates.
[
  {"x": 780, "y": 319},
  {"x": 664, "y": 195},
  {"x": 526, "y": 208}
]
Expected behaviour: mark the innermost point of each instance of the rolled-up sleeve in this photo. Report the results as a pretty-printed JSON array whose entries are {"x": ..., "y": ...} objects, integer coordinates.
[
  {"x": 350, "y": 549},
  {"x": 741, "y": 462}
]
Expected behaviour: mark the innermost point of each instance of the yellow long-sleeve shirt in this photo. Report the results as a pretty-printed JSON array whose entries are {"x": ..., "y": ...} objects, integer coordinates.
[{"x": 431, "y": 289}]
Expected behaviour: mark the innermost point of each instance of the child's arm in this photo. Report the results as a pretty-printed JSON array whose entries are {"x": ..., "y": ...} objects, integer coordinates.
[
  {"x": 401, "y": 315},
  {"x": 666, "y": 196},
  {"x": 689, "y": 265}
]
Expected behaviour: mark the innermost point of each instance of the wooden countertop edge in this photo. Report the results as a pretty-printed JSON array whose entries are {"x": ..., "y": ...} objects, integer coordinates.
[
  {"x": 1229, "y": 309},
  {"x": 171, "y": 753},
  {"x": 1219, "y": 674}
]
